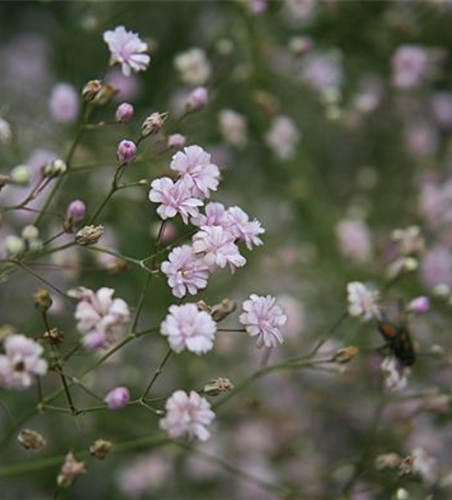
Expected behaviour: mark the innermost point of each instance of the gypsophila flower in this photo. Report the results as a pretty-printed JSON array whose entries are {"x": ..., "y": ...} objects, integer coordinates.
[
  {"x": 395, "y": 376},
  {"x": 263, "y": 318},
  {"x": 127, "y": 49},
  {"x": 187, "y": 415},
  {"x": 238, "y": 223},
  {"x": 176, "y": 141},
  {"x": 193, "y": 66},
  {"x": 64, "y": 103},
  {"x": 283, "y": 137},
  {"x": 410, "y": 65},
  {"x": 189, "y": 328},
  {"x": 218, "y": 248},
  {"x": 117, "y": 398},
  {"x": 21, "y": 362},
  {"x": 124, "y": 112},
  {"x": 362, "y": 301},
  {"x": 194, "y": 164},
  {"x": 100, "y": 317},
  {"x": 126, "y": 151},
  {"x": 214, "y": 216},
  {"x": 233, "y": 127},
  {"x": 419, "y": 305},
  {"x": 185, "y": 271},
  {"x": 174, "y": 198}
]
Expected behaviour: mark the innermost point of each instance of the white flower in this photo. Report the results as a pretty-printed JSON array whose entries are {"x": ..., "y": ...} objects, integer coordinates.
[
  {"x": 362, "y": 301},
  {"x": 395, "y": 376},
  {"x": 127, "y": 49},
  {"x": 189, "y": 328},
  {"x": 193, "y": 66},
  {"x": 187, "y": 415}
]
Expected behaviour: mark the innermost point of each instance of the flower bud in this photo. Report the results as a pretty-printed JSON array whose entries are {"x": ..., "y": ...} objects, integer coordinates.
[
  {"x": 346, "y": 354},
  {"x": 197, "y": 99},
  {"x": 419, "y": 305},
  {"x": 91, "y": 89},
  {"x": 31, "y": 440},
  {"x": 42, "y": 300},
  {"x": 89, "y": 235},
  {"x": 153, "y": 124},
  {"x": 76, "y": 211},
  {"x": 217, "y": 387},
  {"x": 176, "y": 141},
  {"x": 124, "y": 112},
  {"x": 21, "y": 175},
  {"x": 70, "y": 471},
  {"x": 54, "y": 168},
  {"x": 54, "y": 335},
  {"x": 442, "y": 291},
  {"x": 100, "y": 448},
  {"x": 223, "y": 309},
  {"x": 14, "y": 245},
  {"x": 117, "y": 398},
  {"x": 30, "y": 233},
  {"x": 126, "y": 152}
]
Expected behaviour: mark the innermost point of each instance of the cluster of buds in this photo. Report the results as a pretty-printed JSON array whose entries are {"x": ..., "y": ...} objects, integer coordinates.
[
  {"x": 31, "y": 440},
  {"x": 54, "y": 169},
  {"x": 89, "y": 235},
  {"x": 30, "y": 235},
  {"x": 153, "y": 124}
]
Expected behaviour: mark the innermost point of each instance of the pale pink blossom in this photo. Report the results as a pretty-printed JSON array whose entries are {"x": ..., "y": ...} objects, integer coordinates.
[
  {"x": 117, "y": 398},
  {"x": 362, "y": 301},
  {"x": 419, "y": 305},
  {"x": 189, "y": 328},
  {"x": 238, "y": 223},
  {"x": 193, "y": 66},
  {"x": 263, "y": 318},
  {"x": 214, "y": 215},
  {"x": 174, "y": 198},
  {"x": 187, "y": 415},
  {"x": 185, "y": 271},
  {"x": 233, "y": 127},
  {"x": 283, "y": 137},
  {"x": 354, "y": 239},
  {"x": 100, "y": 317},
  {"x": 195, "y": 165},
  {"x": 21, "y": 362},
  {"x": 127, "y": 49},
  {"x": 410, "y": 65},
  {"x": 64, "y": 103},
  {"x": 218, "y": 248}
]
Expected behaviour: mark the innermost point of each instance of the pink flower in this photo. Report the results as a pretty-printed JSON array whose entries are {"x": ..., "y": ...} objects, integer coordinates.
[
  {"x": 419, "y": 305},
  {"x": 117, "y": 398},
  {"x": 410, "y": 65},
  {"x": 176, "y": 141},
  {"x": 238, "y": 223},
  {"x": 354, "y": 239},
  {"x": 185, "y": 271},
  {"x": 126, "y": 151},
  {"x": 263, "y": 318},
  {"x": 189, "y": 328},
  {"x": 64, "y": 103},
  {"x": 124, "y": 112},
  {"x": 218, "y": 248},
  {"x": 175, "y": 198},
  {"x": 22, "y": 360},
  {"x": 195, "y": 166},
  {"x": 100, "y": 317},
  {"x": 127, "y": 49},
  {"x": 187, "y": 415},
  {"x": 214, "y": 216},
  {"x": 362, "y": 301},
  {"x": 198, "y": 99}
]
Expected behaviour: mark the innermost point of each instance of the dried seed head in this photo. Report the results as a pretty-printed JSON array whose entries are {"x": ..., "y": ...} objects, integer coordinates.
[
  {"x": 31, "y": 440},
  {"x": 100, "y": 448},
  {"x": 346, "y": 354},
  {"x": 105, "y": 95},
  {"x": 153, "y": 124},
  {"x": 202, "y": 306},
  {"x": 70, "y": 471},
  {"x": 42, "y": 300},
  {"x": 223, "y": 309},
  {"x": 91, "y": 89},
  {"x": 89, "y": 235},
  {"x": 218, "y": 386},
  {"x": 54, "y": 335}
]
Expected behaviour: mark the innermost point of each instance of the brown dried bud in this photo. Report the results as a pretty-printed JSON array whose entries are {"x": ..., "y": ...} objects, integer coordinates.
[
  {"x": 31, "y": 440},
  {"x": 202, "y": 306},
  {"x": 91, "y": 89},
  {"x": 388, "y": 461},
  {"x": 89, "y": 235},
  {"x": 43, "y": 300},
  {"x": 101, "y": 448},
  {"x": 217, "y": 387},
  {"x": 54, "y": 335},
  {"x": 70, "y": 471},
  {"x": 153, "y": 124},
  {"x": 105, "y": 95},
  {"x": 346, "y": 354},
  {"x": 223, "y": 309},
  {"x": 406, "y": 466},
  {"x": 117, "y": 266}
]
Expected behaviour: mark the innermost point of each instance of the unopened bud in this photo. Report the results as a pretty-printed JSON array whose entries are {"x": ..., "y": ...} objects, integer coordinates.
[
  {"x": 42, "y": 300},
  {"x": 442, "y": 290},
  {"x": 126, "y": 151},
  {"x": 217, "y": 387},
  {"x": 411, "y": 264},
  {"x": 21, "y": 175},
  {"x": 197, "y": 99},
  {"x": 176, "y": 141},
  {"x": 153, "y": 124},
  {"x": 14, "y": 245},
  {"x": 70, "y": 471},
  {"x": 419, "y": 305},
  {"x": 388, "y": 461},
  {"x": 346, "y": 354},
  {"x": 223, "y": 309},
  {"x": 76, "y": 211},
  {"x": 91, "y": 89},
  {"x": 30, "y": 232},
  {"x": 100, "y": 448},
  {"x": 31, "y": 440},
  {"x": 54, "y": 168},
  {"x": 89, "y": 235},
  {"x": 124, "y": 112},
  {"x": 54, "y": 335}
]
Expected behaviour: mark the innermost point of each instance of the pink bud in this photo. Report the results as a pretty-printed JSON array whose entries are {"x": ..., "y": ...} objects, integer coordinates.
[
  {"x": 126, "y": 151},
  {"x": 124, "y": 112},
  {"x": 117, "y": 398},
  {"x": 198, "y": 99},
  {"x": 76, "y": 211},
  {"x": 176, "y": 141},
  {"x": 419, "y": 305}
]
